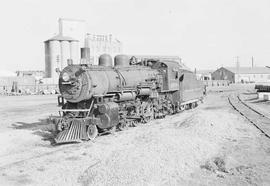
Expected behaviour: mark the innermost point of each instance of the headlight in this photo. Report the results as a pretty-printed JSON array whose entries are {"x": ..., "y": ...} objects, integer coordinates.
[{"x": 65, "y": 76}]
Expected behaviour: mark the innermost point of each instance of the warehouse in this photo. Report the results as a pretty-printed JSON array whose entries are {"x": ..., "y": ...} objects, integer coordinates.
[{"x": 242, "y": 74}]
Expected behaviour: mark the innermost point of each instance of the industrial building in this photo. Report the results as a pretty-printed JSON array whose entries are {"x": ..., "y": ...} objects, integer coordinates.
[
  {"x": 74, "y": 28},
  {"x": 10, "y": 85},
  {"x": 25, "y": 82},
  {"x": 58, "y": 50},
  {"x": 34, "y": 73},
  {"x": 71, "y": 45},
  {"x": 74, "y": 45},
  {"x": 100, "y": 44},
  {"x": 204, "y": 74},
  {"x": 242, "y": 74}
]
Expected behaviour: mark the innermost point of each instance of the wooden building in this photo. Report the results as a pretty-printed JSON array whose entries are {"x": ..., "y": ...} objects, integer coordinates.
[{"x": 242, "y": 74}]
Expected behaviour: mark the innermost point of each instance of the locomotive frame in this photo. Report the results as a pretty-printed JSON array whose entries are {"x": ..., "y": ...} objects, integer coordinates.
[{"x": 101, "y": 99}]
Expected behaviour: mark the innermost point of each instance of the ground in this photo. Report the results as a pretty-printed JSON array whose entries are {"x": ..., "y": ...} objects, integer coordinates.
[{"x": 209, "y": 145}]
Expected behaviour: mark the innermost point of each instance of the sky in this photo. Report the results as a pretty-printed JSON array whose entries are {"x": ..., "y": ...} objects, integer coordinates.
[{"x": 206, "y": 34}]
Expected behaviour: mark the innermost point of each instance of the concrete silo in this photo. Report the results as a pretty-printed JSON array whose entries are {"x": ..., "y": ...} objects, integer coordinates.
[
  {"x": 57, "y": 51},
  {"x": 52, "y": 57},
  {"x": 75, "y": 52},
  {"x": 65, "y": 53}
]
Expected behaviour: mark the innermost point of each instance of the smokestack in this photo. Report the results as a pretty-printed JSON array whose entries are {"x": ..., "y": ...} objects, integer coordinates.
[
  {"x": 69, "y": 61},
  {"x": 252, "y": 61}
]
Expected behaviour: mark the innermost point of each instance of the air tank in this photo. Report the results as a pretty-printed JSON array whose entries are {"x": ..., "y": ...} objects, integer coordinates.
[
  {"x": 105, "y": 60},
  {"x": 65, "y": 53},
  {"x": 121, "y": 60}
]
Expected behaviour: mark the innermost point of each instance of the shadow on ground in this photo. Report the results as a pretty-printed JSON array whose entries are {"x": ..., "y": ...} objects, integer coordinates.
[
  {"x": 212, "y": 108},
  {"x": 43, "y": 128}
]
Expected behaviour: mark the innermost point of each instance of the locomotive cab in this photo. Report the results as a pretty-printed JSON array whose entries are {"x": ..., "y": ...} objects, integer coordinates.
[{"x": 169, "y": 70}]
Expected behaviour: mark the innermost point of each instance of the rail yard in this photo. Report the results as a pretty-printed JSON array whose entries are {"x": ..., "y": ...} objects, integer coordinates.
[
  {"x": 221, "y": 142},
  {"x": 154, "y": 93}
]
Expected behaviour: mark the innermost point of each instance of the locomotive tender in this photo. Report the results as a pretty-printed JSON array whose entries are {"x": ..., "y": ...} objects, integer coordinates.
[{"x": 101, "y": 98}]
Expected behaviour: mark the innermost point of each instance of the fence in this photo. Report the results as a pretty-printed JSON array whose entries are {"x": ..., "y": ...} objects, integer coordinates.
[{"x": 211, "y": 83}]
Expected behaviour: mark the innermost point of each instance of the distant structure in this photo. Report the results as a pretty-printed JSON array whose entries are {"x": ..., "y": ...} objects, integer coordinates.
[
  {"x": 74, "y": 45},
  {"x": 74, "y": 28},
  {"x": 100, "y": 44},
  {"x": 24, "y": 82},
  {"x": 34, "y": 73},
  {"x": 58, "y": 50},
  {"x": 204, "y": 74},
  {"x": 242, "y": 74}
]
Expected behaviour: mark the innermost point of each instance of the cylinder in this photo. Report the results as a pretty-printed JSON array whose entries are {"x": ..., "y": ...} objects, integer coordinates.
[
  {"x": 105, "y": 60},
  {"x": 144, "y": 91},
  {"x": 48, "y": 63},
  {"x": 121, "y": 60},
  {"x": 74, "y": 52},
  {"x": 52, "y": 58},
  {"x": 65, "y": 53},
  {"x": 126, "y": 96}
]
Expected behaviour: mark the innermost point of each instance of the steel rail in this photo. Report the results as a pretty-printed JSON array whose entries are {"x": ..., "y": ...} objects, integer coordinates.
[{"x": 259, "y": 120}]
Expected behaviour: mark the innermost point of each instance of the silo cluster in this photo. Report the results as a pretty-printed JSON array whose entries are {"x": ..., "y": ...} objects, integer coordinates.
[{"x": 58, "y": 51}]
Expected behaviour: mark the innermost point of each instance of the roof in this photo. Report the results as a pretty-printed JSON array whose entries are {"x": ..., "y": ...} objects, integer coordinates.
[
  {"x": 156, "y": 57},
  {"x": 71, "y": 19},
  {"x": 249, "y": 70},
  {"x": 61, "y": 38},
  {"x": 165, "y": 59},
  {"x": 170, "y": 64}
]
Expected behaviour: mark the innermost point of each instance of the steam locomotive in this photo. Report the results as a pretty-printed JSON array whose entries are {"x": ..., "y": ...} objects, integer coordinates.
[{"x": 98, "y": 99}]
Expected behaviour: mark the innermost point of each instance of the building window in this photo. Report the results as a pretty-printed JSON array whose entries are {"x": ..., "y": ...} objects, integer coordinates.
[
  {"x": 261, "y": 75},
  {"x": 268, "y": 76}
]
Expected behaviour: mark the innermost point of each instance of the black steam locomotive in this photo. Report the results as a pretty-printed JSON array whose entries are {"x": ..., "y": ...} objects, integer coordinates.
[{"x": 102, "y": 98}]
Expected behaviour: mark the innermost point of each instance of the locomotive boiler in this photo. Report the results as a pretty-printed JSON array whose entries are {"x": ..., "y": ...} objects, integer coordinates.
[{"x": 98, "y": 99}]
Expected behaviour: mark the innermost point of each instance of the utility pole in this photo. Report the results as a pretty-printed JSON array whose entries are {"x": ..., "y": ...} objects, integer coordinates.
[
  {"x": 252, "y": 61},
  {"x": 237, "y": 68}
]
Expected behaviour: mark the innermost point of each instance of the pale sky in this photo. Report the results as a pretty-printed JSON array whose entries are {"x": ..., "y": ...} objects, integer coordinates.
[{"x": 207, "y": 34}]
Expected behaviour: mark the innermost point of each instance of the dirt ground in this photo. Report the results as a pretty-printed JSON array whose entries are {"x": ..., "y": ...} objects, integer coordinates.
[{"x": 209, "y": 145}]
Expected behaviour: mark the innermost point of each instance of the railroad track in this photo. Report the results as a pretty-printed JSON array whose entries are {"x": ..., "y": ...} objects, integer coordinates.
[{"x": 259, "y": 120}]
